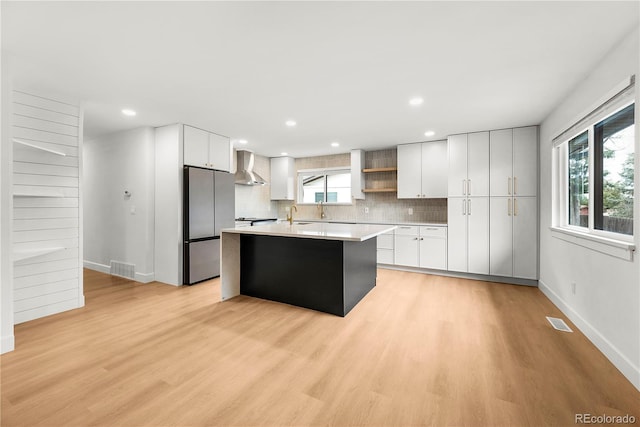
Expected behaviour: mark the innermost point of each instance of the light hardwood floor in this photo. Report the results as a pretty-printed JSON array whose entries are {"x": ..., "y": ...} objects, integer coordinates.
[{"x": 418, "y": 350}]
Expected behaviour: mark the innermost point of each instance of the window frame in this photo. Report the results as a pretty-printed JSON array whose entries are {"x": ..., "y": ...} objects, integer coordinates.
[
  {"x": 324, "y": 172},
  {"x": 560, "y": 157}
]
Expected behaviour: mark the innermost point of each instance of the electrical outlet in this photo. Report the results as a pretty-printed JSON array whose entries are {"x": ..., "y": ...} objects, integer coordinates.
[
  {"x": 573, "y": 288},
  {"x": 410, "y": 211},
  {"x": 366, "y": 209}
]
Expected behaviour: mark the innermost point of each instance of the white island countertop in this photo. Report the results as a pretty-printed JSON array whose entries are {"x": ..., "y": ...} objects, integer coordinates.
[{"x": 316, "y": 230}]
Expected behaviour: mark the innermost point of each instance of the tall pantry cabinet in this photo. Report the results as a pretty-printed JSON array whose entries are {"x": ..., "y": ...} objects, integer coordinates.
[
  {"x": 468, "y": 203},
  {"x": 513, "y": 190}
]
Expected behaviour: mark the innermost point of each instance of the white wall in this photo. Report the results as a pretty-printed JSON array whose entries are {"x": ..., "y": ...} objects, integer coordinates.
[
  {"x": 117, "y": 227},
  {"x": 606, "y": 305},
  {"x": 6, "y": 170}
]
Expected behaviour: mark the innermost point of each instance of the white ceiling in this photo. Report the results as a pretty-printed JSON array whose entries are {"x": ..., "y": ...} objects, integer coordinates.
[{"x": 343, "y": 70}]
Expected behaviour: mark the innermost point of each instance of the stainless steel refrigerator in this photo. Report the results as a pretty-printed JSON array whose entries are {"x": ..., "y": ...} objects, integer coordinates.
[{"x": 209, "y": 206}]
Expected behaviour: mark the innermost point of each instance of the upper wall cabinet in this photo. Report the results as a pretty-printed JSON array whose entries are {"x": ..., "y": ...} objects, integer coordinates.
[
  {"x": 468, "y": 160},
  {"x": 422, "y": 170},
  {"x": 206, "y": 149},
  {"x": 514, "y": 154},
  {"x": 283, "y": 173}
]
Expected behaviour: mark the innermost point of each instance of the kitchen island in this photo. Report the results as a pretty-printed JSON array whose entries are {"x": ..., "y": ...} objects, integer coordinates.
[{"x": 321, "y": 266}]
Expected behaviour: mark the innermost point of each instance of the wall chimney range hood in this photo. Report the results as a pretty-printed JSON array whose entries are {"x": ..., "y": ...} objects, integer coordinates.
[{"x": 245, "y": 175}]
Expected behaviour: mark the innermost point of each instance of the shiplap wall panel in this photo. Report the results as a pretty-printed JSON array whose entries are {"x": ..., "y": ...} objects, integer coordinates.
[
  {"x": 44, "y": 125},
  {"x": 53, "y": 256},
  {"x": 45, "y": 180},
  {"x": 44, "y": 235},
  {"x": 42, "y": 103},
  {"x": 30, "y": 155},
  {"x": 24, "y": 202},
  {"x": 61, "y": 243},
  {"x": 45, "y": 310},
  {"x": 41, "y": 137},
  {"x": 44, "y": 114},
  {"x": 47, "y": 288},
  {"x": 44, "y": 278},
  {"x": 44, "y": 169},
  {"x": 46, "y": 225}
]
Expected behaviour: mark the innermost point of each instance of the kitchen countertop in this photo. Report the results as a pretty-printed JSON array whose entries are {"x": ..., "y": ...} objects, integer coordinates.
[
  {"x": 316, "y": 230},
  {"x": 337, "y": 221}
]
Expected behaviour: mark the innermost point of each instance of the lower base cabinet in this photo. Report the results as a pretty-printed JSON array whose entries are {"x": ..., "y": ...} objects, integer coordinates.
[{"x": 433, "y": 247}]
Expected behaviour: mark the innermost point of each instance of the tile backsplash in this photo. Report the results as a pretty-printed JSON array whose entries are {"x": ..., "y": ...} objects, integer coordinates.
[{"x": 255, "y": 201}]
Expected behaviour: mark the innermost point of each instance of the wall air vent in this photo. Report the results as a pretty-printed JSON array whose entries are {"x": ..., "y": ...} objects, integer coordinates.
[
  {"x": 123, "y": 269},
  {"x": 559, "y": 324}
]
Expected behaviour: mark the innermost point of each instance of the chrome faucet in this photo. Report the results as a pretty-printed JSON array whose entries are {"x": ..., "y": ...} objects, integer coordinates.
[
  {"x": 290, "y": 214},
  {"x": 321, "y": 209}
]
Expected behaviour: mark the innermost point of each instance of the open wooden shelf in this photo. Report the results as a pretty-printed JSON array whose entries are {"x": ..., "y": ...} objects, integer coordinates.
[
  {"x": 371, "y": 170},
  {"x": 380, "y": 190}
]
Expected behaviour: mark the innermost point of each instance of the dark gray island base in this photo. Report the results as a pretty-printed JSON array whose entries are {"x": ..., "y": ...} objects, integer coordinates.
[
  {"x": 331, "y": 276},
  {"x": 321, "y": 266}
]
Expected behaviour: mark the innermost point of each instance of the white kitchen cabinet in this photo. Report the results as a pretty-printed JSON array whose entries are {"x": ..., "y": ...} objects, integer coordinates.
[
  {"x": 422, "y": 170},
  {"x": 468, "y": 235},
  {"x": 468, "y": 165},
  {"x": 283, "y": 171},
  {"x": 206, "y": 149},
  {"x": 513, "y": 162},
  {"x": 196, "y": 147},
  {"x": 385, "y": 248},
  {"x": 434, "y": 169},
  {"x": 433, "y": 247},
  {"x": 219, "y": 152},
  {"x": 406, "y": 243},
  {"x": 357, "y": 174},
  {"x": 513, "y": 239},
  {"x": 409, "y": 171}
]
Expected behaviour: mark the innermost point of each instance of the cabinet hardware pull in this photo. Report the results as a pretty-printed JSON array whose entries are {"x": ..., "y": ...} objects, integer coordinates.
[
  {"x": 421, "y": 238},
  {"x": 515, "y": 185},
  {"x": 469, "y": 206},
  {"x": 464, "y": 210},
  {"x": 424, "y": 195},
  {"x": 509, "y": 207},
  {"x": 469, "y": 187},
  {"x": 415, "y": 238},
  {"x": 463, "y": 187},
  {"x": 515, "y": 206},
  {"x": 509, "y": 185},
  {"x": 406, "y": 228},
  {"x": 417, "y": 195}
]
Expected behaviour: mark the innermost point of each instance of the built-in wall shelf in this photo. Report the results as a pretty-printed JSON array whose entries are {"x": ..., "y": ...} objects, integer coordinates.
[
  {"x": 37, "y": 147},
  {"x": 380, "y": 190},
  {"x": 372, "y": 170},
  {"x": 19, "y": 255},
  {"x": 37, "y": 194}
]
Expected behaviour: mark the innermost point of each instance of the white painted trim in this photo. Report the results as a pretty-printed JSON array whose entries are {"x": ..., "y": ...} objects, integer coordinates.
[
  {"x": 140, "y": 277},
  {"x": 611, "y": 352},
  {"x": 96, "y": 266},
  {"x": 616, "y": 248},
  {"x": 145, "y": 277},
  {"x": 7, "y": 344}
]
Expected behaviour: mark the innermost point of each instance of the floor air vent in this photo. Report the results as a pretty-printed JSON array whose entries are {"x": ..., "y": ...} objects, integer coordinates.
[
  {"x": 559, "y": 324},
  {"x": 123, "y": 269}
]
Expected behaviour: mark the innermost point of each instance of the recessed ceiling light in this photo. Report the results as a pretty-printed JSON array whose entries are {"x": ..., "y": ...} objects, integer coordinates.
[
  {"x": 416, "y": 101},
  {"x": 429, "y": 133},
  {"x": 241, "y": 141},
  {"x": 128, "y": 112},
  {"x": 290, "y": 123},
  {"x": 284, "y": 153},
  {"x": 335, "y": 144}
]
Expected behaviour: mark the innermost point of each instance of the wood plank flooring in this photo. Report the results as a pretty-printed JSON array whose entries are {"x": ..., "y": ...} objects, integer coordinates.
[{"x": 418, "y": 350}]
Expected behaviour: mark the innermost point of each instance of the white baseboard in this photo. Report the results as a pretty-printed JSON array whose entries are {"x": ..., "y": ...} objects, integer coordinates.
[
  {"x": 96, "y": 267},
  {"x": 611, "y": 352},
  {"x": 140, "y": 277},
  {"x": 7, "y": 344},
  {"x": 145, "y": 277}
]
